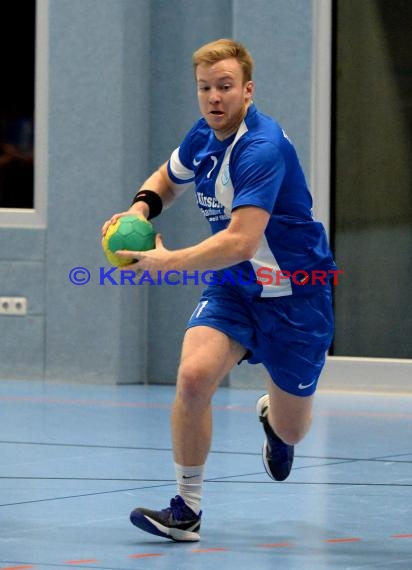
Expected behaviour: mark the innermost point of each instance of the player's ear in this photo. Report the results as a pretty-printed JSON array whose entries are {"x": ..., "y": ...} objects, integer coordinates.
[{"x": 249, "y": 89}]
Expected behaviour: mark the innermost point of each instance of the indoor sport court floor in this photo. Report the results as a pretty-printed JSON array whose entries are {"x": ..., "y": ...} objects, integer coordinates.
[{"x": 76, "y": 459}]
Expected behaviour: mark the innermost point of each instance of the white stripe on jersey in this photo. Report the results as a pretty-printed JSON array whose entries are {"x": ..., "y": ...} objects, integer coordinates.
[
  {"x": 224, "y": 190},
  {"x": 178, "y": 169},
  {"x": 264, "y": 258}
]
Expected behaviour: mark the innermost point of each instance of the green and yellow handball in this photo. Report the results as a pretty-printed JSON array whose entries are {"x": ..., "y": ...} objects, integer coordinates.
[{"x": 129, "y": 232}]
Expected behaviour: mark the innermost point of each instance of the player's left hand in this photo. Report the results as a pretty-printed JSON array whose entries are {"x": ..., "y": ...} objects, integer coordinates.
[
  {"x": 115, "y": 217},
  {"x": 153, "y": 260}
]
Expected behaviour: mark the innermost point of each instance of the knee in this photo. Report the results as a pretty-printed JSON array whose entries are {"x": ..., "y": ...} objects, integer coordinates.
[
  {"x": 291, "y": 437},
  {"x": 191, "y": 383},
  {"x": 292, "y": 434}
]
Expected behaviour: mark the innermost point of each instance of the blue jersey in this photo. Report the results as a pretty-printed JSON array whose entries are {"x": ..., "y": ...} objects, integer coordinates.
[{"x": 257, "y": 166}]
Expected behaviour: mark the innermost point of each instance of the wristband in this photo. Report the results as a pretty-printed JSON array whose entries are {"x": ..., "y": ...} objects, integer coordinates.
[{"x": 152, "y": 199}]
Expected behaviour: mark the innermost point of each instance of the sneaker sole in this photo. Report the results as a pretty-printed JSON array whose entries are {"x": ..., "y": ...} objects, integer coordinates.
[
  {"x": 264, "y": 460},
  {"x": 153, "y": 527},
  {"x": 262, "y": 403}
]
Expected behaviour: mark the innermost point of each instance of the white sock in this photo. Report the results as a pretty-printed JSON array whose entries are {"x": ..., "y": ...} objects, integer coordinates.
[{"x": 189, "y": 485}]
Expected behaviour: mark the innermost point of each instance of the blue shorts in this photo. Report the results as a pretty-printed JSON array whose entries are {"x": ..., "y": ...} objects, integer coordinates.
[{"x": 288, "y": 335}]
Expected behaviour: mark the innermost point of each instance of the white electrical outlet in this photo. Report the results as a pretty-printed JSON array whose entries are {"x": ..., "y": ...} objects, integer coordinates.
[{"x": 13, "y": 306}]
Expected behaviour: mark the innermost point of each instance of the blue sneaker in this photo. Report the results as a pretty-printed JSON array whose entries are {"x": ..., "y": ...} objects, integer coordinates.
[
  {"x": 177, "y": 522},
  {"x": 277, "y": 455}
]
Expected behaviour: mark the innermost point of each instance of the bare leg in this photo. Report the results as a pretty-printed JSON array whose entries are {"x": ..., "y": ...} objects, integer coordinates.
[
  {"x": 207, "y": 356},
  {"x": 289, "y": 416}
]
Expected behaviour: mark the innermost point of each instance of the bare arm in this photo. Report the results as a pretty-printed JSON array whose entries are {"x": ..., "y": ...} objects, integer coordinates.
[
  {"x": 161, "y": 183},
  {"x": 238, "y": 242},
  {"x": 158, "y": 182}
]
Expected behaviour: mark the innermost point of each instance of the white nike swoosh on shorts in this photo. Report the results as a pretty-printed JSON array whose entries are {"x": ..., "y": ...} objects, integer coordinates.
[{"x": 304, "y": 386}]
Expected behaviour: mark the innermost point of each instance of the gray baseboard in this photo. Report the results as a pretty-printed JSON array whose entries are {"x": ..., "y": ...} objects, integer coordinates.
[{"x": 342, "y": 374}]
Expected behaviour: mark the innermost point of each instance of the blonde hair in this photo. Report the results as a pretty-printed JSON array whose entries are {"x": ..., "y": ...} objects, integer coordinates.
[{"x": 223, "y": 49}]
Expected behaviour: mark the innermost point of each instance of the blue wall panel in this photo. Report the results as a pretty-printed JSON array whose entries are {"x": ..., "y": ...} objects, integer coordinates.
[{"x": 121, "y": 96}]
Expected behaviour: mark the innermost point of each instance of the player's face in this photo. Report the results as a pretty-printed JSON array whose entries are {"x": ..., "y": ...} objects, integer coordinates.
[{"x": 223, "y": 95}]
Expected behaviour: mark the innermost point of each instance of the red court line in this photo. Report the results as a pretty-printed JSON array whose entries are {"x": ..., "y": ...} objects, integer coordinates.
[
  {"x": 151, "y": 405},
  {"x": 277, "y": 545},
  {"x": 367, "y": 414},
  {"x": 26, "y": 567},
  {"x": 145, "y": 555},
  {"x": 70, "y": 402},
  {"x": 85, "y": 561},
  {"x": 109, "y": 403},
  {"x": 202, "y": 550},
  {"x": 337, "y": 540}
]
